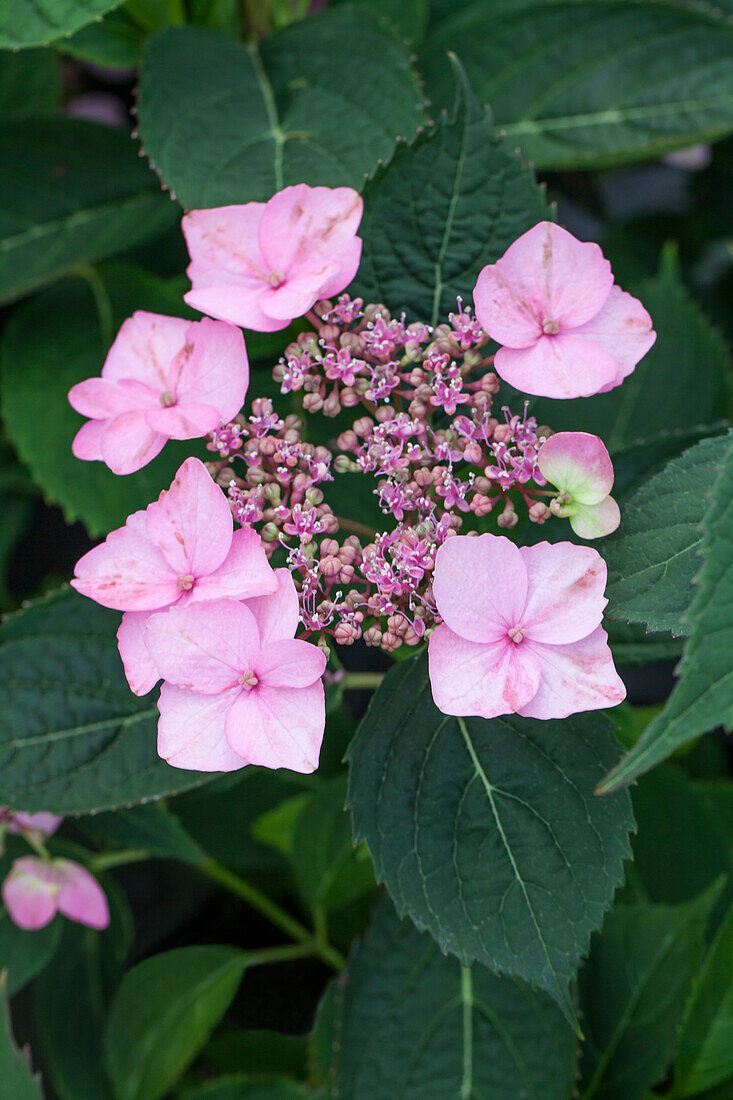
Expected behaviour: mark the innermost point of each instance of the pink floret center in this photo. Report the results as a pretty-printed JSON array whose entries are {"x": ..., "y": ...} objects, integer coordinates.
[
  {"x": 275, "y": 279},
  {"x": 167, "y": 398},
  {"x": 550, "y": 327},
  {"x": 248, "y": 680},
  {"x": 186, "y": 581},
  {"x": 516, "y": 634}
]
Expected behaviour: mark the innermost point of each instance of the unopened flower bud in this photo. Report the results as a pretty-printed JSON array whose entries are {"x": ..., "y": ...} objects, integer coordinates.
[
  {"x": 385, "y": 412},
  {"x": 472, "y": 452},
  {"x": 539, "y": 512},
  {"x": 372, "y": 636},
  {"x": 269, "y": 532},
  {"x": 346, "y": 634},
  {"x": 348, "y": 441},
  {"x": 314, "y": 496},
  {"x": 272, "y": 493},
  {"x": 480, "y": 505},
  {"x": 508, "y": 517},
  {"x": 374, "y": 311},
  {"x": 342, "y": 464},
  {"x": 312, "y": 402},
  {"x": 350, "y": 398},
  {"x": 364, "y": 426}
]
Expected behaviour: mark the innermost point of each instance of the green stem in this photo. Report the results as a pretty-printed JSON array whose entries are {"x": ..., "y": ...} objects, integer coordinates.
[
  {"x": 272, "y": 911},
  {"x": 105, "y": 860},
  {"x": 355, "y": 681},
  {"x": 101, "y": 299},
  {"x": 356, "y": 528},
  {"x": 265, "y": 955}
]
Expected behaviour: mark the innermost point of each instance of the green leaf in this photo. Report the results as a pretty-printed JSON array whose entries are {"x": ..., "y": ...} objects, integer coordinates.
[
  {"x": 51, "y": 343},
  {"x": 702, "y": 698},
  {"x": 244, "y": 1087},
  {"x": 633, "y": 991},
  {"x": 329, "y": 870},
  {"x": 631, "y": 644},
  {"x": 24, "y": 954},
  {"x": 234, "y": 1051},
  {"x": 15, "y": 1073},
  {"x": 487, "y": 832},
  {"x": 582, "y": 84},
  {"x": 407, "y": 1021},
  {"x": 151, "y": 828},
  {"x": 73, "y": 737},
  {"x": 37, "y": 22},
  {"x": 30, "y": 84},
  {"x": 653, "y": 557},
  {"x": 407, "y": 19},
  {"x": 115, "y": 42},
  {"x": 705, "y": 1045},
  {"x": 280, "y": 112},
  {"x": 442, "y": 209},
  {"x": 73, "y": 192},
  {"x": 162, "y": 1014}
]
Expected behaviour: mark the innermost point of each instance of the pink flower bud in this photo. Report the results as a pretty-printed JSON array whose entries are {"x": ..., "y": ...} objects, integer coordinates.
[{"x": 37, "y": 889}]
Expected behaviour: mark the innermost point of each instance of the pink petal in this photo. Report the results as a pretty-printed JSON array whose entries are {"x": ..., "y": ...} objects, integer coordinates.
[
  {"x": 290, "y": 664},
  {"x": 41, "y": 822},
  {"x": 296, "y": 296},
  {"x": 245, "y": 572},
  {"x": 128, "y": 443},
  {"x": 126, "y": 572},
  {"x": 87, "y": 443},
  {"x": 232, "y": 304},
  {"x": 623, "y": 328},
  {"x": 557, "y": 366},
  {"x": 579, "y": 464},
  {"x": 191, "y": 730},
  {"x": 101, "y": 398},
  {"x": 81, "y": 898},
  {"x": 565, "y": 598},
  {"x": 303, "y": 223},
  {"x": 480, "y": 585},
  {"x": 205, "y": 647},
  {"x": 482, "y": 680},
  {"x": 145, "y": 348},
  {"x": 31, "y": 901},
  {"x": 576, "y": 677},
  {"x": 278, "y": 615},
  {"x": 594, "y": 521},
  {"x": 279, "y": 727},
  {"x": 191, "y": 522},
  {"x": 349, "y": 259},
  {"x": 183, "y": 421},
  {"x": 140, "y": 668},
  {"x": 216, "y": 371}
]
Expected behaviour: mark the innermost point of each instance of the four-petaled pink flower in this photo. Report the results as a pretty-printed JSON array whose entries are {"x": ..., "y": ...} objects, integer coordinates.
[
  {"x": 183, "y": 548},
  {"x": 239, "y": 689},
  {"x": 521, "y": 630},
  {"x": 16, "y": 821},
  {"x": 579, "y": 465},
  {"x": 566, "y": 329},
  {"x": 37, "y": 889},
  {"x": 263, "y": 264},
  {"x": 164, "y": 378}
]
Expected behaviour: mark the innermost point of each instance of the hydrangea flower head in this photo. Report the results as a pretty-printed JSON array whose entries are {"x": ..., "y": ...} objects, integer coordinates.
[
  {"x": 37, "y": 889},
  {"x": 182, "y": 549},
  {"x": 579, "y": 465},
  {"x": 164, "y": 378},
  {"x": 263, "y": 264},
  {"x": 565, "y": 328},
  {"x": 239, "y": 688},
  {"x": 521, "y": 630}
]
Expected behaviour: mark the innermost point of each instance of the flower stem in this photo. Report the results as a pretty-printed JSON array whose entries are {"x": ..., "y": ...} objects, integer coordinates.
[
  {"x": 105, "y": 860},
  {"x": 356, "y": 528},
  {"x": 361, "y": 681},
  {"x": 272, "y": 911},
  {"x": 101, "y": 299}
]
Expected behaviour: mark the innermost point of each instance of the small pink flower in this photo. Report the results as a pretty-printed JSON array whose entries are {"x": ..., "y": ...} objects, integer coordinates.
[
  {"x": 566, "y": 329},
  {"x": 579, "y": 465},
  {"x": 36, "y": 890},
  {"x": 18, "y": 822},
  {"x": 164, "y": 378},
  {"x": 183, "y": 548},
  {"x": 239, "y": 689},
  {"x": 521, "y": 630},
  {"x": 263, "y": 264}
]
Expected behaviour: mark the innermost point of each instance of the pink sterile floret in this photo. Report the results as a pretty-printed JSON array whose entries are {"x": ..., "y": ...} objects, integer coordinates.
[
  {"x": 263, "y": 264},
  {"x": 183, "y": 548},
  {"x": 37, "y": 889},
  {"x": 521, "y": 630},
  {"x": 579, "y": 465},
  {"x": 164, "y": 378},
  {"x": 18, "y": 822},
  {"x": 566, "y": 329},
  {"x": 239, "y": 689}
]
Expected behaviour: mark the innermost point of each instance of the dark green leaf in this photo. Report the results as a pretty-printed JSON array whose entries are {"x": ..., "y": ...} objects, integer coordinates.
[
  {"x": 633, "y": 991},
  {"x": 73, "y": 737},
  {"x": 487, "y": 832},
  {"x": 702, "y": 698},
  {"x": 243, "y": 1087},
  {"x": 24, "y": 954},
  {"x": 705, "y": 1045},
  {"x": 407, "y": 1021},
  {"x": 407, "y": 19},
  {"x": 151, "y": 828},
  {"x": 654, "y": 556},
  {"x": 73, "y": 192},
  {"x": 30, "y": 83},
  {"x": 50, "y": 344},
  {"x": 37, "y": 22},
  {"x": 275, "y": 113},
  {"x": 631, "y": 644},
  {"x": 15, "y": 1072},
  {"x": 162, "y": 1015},
  {"x": 232, "y": 1050},
  {"x": 440, "y": 210},
  {"x": 115, "y": 42},
  {"x": 580, "y": 84}
]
